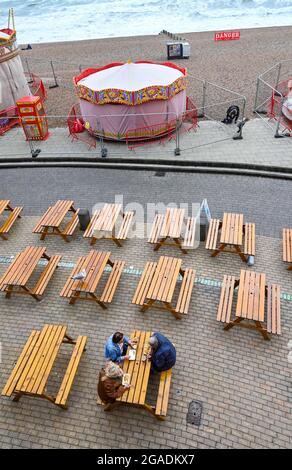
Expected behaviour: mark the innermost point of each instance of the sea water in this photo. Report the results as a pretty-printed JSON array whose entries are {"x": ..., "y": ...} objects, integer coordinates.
[{"x": 67, "y": 20}]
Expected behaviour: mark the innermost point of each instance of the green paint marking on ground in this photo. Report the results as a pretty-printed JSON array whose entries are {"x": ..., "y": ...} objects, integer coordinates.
[{"x": 204, "y": 281}]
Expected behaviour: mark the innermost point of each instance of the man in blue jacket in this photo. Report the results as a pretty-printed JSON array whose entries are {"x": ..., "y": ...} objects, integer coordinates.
[
  {"x": 116, "y": 347},
  {"x": 163, "y": 353}
]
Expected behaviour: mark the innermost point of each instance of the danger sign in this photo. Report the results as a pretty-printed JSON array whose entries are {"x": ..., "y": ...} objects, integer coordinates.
[{"x": 227, "y": 36}]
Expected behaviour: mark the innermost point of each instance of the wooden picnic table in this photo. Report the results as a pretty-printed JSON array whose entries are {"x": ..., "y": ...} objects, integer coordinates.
[
  {"x": 254, "y": 299},
  {"x": 32, "y": 370},
  {"x": 16, "y": 277},
  {"x": 103, "y": 224},
  {"x": 232, "y": 235},
  {"x": 93, "y": 264},
  {"x": 51, "y": 221},
  {"x": 174, "y": 226},
  {"x": 158, "y": 282},
  {"x": 139, "y": 370},
  {"x": 13, "y": 216}
]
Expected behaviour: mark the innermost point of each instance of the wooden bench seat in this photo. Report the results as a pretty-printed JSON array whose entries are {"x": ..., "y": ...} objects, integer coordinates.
[
  {"x": 163, "y": 393},
  {"x": 273, "y": 309},
  {"x": 226, "y": 298},
  {"x": 124, "y": 229},
  {"x": 72, "y": 224},
  {"x": 287, "y": 245},
  {"x": 90, "y": 228},
  {"x": 39, "y": 227},
  {"x": 185, "y": 293},
  {"x": 144, "y": 283},
  {"x": 189, "y": 237},
  {"x": 112, "y": 282},
  {"x": 10, "y": 221},
  {"x": 20, "y": 364},
  {"x": 211, "y": 242},
  {"x": 67, "y": 289},
  {"x": 249, "y": 239},
  {"x": 70, "y": 373},
  {"x": 46, "y": 275},
  {"x": 156, "y": 228}
]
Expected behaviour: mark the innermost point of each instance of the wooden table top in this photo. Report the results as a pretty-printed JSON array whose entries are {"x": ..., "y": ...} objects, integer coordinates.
[
  {"x": 139, "y": 371},
  {"x": 3, "y": 204},
  {"x": 232, "y": 229},
  {"x": 41, "y": 349},
  {"x": 22, "y": 267},
  {"x": 55, "y": 214},
  {"x": 251, "y": 296},
  {"x": 94, "y": 265},
  {"x": 173, "y": 222},
  {"x": 164, "y": 280},
  {"x": 107, "y": 218}
]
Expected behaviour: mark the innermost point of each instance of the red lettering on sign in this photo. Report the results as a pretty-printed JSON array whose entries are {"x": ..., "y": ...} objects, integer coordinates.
[{"x": 227, "y": 36}]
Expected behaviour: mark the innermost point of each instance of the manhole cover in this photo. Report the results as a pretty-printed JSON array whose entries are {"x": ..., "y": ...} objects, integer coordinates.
[
  {"x": 160, "y": 173},
  {"x": 194, "y": 413}
]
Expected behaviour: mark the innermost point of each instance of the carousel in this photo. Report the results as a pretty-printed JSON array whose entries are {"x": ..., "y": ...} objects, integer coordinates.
[{"x": 133, "y": 100}]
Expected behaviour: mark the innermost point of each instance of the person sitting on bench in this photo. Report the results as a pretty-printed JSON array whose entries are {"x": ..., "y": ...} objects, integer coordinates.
[
  {"x": 110, "y": 384},
  {"x": 162, "y": 354},
  {"x": 116, "y": 347}
]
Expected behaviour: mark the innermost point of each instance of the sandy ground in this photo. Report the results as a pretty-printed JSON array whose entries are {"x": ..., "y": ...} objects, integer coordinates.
[{"x": 231, "y": 64}]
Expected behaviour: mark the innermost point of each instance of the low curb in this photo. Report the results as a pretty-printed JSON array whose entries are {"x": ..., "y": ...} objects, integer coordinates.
[{"x": 227, "y": 168}]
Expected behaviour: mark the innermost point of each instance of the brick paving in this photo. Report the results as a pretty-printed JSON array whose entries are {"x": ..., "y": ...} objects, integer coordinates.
[{"x": 243, "y": 381}]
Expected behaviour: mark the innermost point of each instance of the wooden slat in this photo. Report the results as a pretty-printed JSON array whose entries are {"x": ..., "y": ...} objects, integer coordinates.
[
  {"x": 91, "y": 226},
  {"x": 3, "y": 205},
  {"x": 126, "y": 224},
  {"x": 23, "y": 266},
  {"x": 72, "y": 224},
  {"x": 67, "y": 289},
  {"x": 273, "y": 309},
  {"x": 287, "y": 245},
  {"x": 71, "y": 371},
  {"x": 112, "y": 282},
  {"x": 212, "y": 236},
  {"x": 94, "y": 266},
  {"x": 46, "y": 275},
  {"x": 189, "y": 238},
  {"x": 144, "y": 283},
  {"x": 143, "y": 371},
  {"x": 163, "y": 393},
  {"x": 11, "y": 219},
  {"x": 156, "y": 228},
  {"x": 39, "y": 226},
  {"x": 20, "y": 364},
  {"x": 185, "y": 293},
  {"x": 249, "y": 239},
  {"x": 226, "y": 299}
]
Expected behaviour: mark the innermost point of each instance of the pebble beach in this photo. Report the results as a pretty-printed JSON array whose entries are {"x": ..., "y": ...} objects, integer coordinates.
[{"x": 234, "y": 65}]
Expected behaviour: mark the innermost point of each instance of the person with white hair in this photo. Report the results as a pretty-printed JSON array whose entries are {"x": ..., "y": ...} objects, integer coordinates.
[
  {"x": 287, "y": 105},
  {"x": 110, "y": 385},
  {"x": 162, "y": 354}
]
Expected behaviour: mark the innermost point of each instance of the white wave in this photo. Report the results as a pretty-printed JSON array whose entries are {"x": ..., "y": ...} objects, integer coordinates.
[{"x": 63, "y": 20}]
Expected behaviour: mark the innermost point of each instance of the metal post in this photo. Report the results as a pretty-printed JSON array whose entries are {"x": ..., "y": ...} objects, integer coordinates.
[
  {"x": 54, "y": 75},
  {"x": 29, "y": 72},
  {"x": 177, "y": 149},
  {"x": 204, "y": 99},
  {"x": 277, "y": 135},
  {"x": 278, "y": 76},
  {"x": 256, "y": 96},
  {"x": 34, "y": 152}
]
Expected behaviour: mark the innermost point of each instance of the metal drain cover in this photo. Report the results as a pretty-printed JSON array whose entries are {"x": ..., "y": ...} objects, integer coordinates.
[
  {"x": 194, "y": 413},
  {"x": 159, "y": 173}
]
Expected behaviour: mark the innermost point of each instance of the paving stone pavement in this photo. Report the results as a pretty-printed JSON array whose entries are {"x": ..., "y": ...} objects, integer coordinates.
[
  {"x": 243, "y": 381},
  {"x": 211, "y": 142}
]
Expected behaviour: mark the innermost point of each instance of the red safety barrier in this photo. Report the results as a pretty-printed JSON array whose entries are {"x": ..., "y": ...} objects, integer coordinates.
[
  {"x": 76, "y": 128},
  {"x": 36, "y": 85},
  {"x": 227, "y": 36},
  {"x": 8, "y": 119}
]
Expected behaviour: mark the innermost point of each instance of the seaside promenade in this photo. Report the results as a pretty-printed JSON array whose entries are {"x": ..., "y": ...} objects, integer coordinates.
[{"x": 242, "y": 381}]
